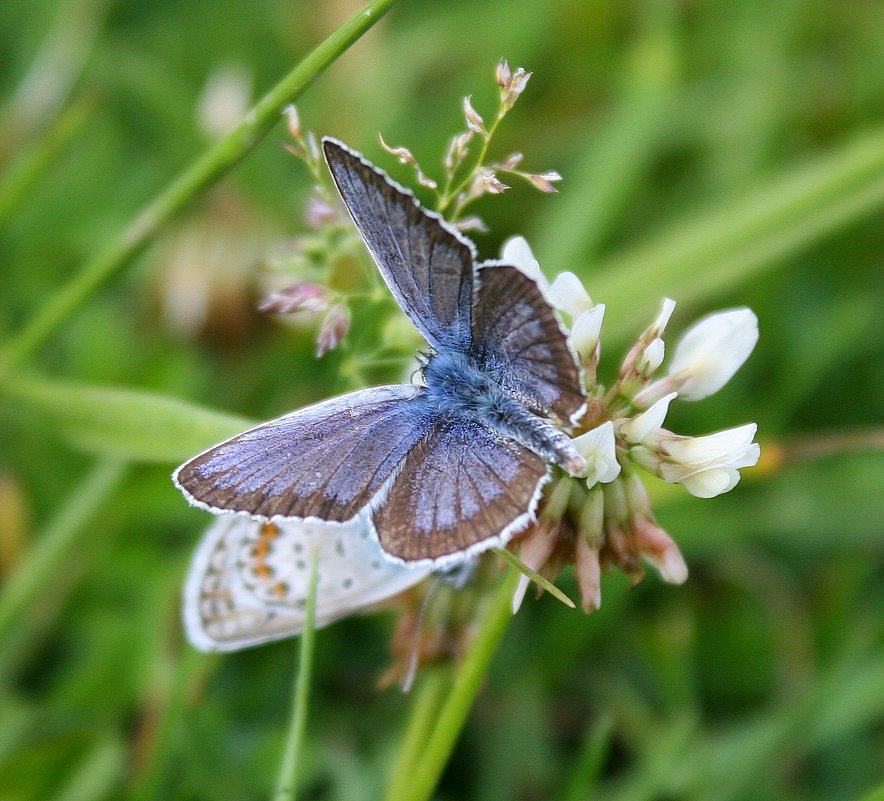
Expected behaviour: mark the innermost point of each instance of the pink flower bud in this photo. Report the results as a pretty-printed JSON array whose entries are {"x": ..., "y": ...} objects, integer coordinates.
[
  {"x": 293, "y": 122},
  {"x": 405, "y": 156},
  {"x": 319, "y": 213},
  {"x": 589, "y": 574},
  {"x": 658, "y": 548},
  {"x": 473, "y": 118},
  {"x": 296, "y": 298},
  {"x": 504, "y": 74},
  {"x": 471, "y": 223},
  {"x": 333, "y": 329},
  {"x": 544, "y": 180}
]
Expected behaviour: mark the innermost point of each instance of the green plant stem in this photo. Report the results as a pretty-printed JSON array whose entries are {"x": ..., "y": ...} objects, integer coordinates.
[
  {"x": 27, "y": 170},
  {"x": 96, "y": 776},
  {"x": 426, "y": 773},
  {"x": 429, "y": 696},
  {"x": 56, "y": 541},
  {"x": 288, "y": 770},
  {"x": 207, "y": 169},
  {"x": 584, "y": 777},
  {"x": 875, "y": 795}
]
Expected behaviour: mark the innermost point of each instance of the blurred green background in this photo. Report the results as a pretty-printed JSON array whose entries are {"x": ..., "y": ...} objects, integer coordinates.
[{"x": 724, "y": 153}]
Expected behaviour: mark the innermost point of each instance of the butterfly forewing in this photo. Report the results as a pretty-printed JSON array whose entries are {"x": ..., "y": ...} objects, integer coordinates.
[
  {"x": 426, "y": 264},
  {"x": 462, "y": 489},
  {"x": 517, "y": 339},
  {"x": 248, "y": 581},
  {"x": 326, "y": 461}
]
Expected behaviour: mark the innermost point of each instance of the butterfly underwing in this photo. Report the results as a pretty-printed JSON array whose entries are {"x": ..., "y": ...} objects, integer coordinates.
[
  {"x": 440, "y": 471},
  {"x": 248, "y": 580}
]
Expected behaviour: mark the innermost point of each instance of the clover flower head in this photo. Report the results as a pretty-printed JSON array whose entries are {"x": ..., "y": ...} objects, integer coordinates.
[{"x": 608, "y": 520}]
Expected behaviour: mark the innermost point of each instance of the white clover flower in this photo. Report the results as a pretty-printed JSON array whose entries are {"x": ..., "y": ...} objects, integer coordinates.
[
  {"x": 638, "y": 429},
  {"x": 706, "y": 466},
  {"x": 659, "y": 325},
  {"x": 599, "y": 449},
  {"x": 586, "y": 330},
  {"x": 652, "y": 357},
  {"x": 517, "y": 251},
  {"x": 568, "y": 295},
  {"x": 712, "y": 350},
  {"x": 614, "y": 523}
]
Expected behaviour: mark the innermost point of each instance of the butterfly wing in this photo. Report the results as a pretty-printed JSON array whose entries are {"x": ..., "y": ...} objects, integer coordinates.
[
  {"x": 248, "y": 581},
  {"x": 427, "y": 264},
  {"x": 462, "y": 489},
  {"x": 326, "y": 461},
  {"x": 518, "y": 340}
]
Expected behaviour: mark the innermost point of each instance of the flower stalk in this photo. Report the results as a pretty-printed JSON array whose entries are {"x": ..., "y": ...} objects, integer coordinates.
[{"x": 200, "y": 175}]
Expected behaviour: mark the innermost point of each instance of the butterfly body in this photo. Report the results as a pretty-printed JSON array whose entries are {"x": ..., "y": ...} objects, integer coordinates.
[
  {"x": 459, "y": 388},
  {"x": 438, "y": 472}
]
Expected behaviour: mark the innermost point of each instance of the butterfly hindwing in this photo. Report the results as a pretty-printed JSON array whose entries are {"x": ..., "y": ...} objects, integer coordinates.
[
  {"x": 248, "y": 581},
  {"x": 462, "y": 488},
  {"x": 518, "y": 340},
  {"x": 326, "y": 461},
  {"x": 426, "y": 263}
]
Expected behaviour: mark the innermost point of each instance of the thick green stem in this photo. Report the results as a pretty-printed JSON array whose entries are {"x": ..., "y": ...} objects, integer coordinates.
[
  {"x": 288, "y": 770},
  {"x": 207, "y": 169},
  {"x": 429, "y": 696},
  {"x": 426, "y": 773}
]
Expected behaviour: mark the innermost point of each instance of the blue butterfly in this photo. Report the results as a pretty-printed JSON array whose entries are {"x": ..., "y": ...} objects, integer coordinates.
[{"x": 442, "y": 471}]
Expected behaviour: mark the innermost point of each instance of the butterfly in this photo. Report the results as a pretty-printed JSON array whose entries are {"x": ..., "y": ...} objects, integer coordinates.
[
  {"x": 248, "y": 580},
  {"x": 439, "y": 472}
]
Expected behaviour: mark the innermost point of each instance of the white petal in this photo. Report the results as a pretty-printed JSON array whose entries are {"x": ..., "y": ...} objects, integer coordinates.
[
  {"x": 652, "y": 357},
  {"x": 649, "y": 459},
  {"x": 714, "y": 450},
  {"x": 663, "y": 318},
  {"x": 600, "y": 451},
  {"x": 586, "y": 329},
  {"x": 568, "y": 294},
  {"x": 712, "y": 350},
  {"x": 517, "y": 251},
  {"x": 709, "y": 483},
  {"x": 640, "y": 428}
]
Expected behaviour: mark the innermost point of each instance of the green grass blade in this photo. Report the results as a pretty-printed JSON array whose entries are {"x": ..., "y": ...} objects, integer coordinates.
[
  {"x": 539, "y": 580},
  {"x": 56, "y": 541},
  {"x": 723, "y": 248},
  {"x": 875, "y": 795},
  {"x": 434, "y": 685},
  {"x": 140, "y": 426},
  {"x": 204, "y": 172},
  {"x": 98, "y": 773},
  {"x": 288, "y": 769},
  {"x": 457, "y": 707},
  {"x": 26, "y": 171}
]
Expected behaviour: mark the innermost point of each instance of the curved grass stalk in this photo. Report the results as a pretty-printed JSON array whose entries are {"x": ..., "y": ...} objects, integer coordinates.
[
  {"x": 288, "y": 769},
  {"x": 204, "y": 172},
  {"x": 57, "y": 540},
  {"x": 426, "y": 772}
]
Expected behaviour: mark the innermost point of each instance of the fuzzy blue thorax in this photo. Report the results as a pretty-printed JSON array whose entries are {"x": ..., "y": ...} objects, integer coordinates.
[{"x": 458, "y": 389}]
